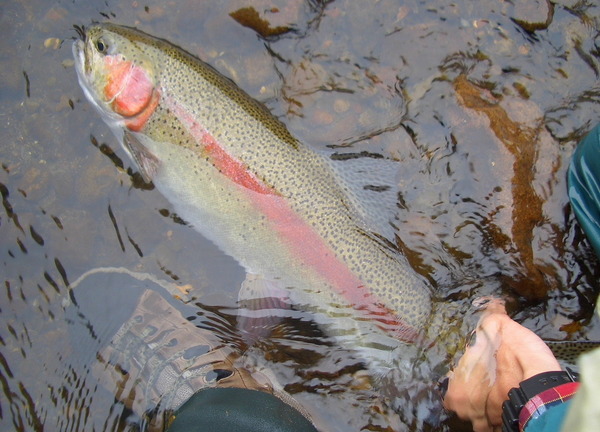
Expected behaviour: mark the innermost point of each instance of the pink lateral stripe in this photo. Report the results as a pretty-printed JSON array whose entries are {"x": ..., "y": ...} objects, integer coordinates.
[
  {"x": 232, "y": 168},
  {"x": 229, "y": 166},
  {"x": 314, "y": 252},
  {"x": 300, "y": 237}
]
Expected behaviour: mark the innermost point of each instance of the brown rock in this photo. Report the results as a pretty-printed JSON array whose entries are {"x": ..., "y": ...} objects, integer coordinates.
[
  {"x": 527, "y": 213},
  {"x": 249, "y": 17}
]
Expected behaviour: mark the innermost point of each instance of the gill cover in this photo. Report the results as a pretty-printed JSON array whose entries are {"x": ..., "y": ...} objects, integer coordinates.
[{"x": 116, "y": 77}]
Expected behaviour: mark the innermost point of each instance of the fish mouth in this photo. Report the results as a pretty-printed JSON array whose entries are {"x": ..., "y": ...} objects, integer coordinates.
[
  {"x": 83, "y": 68},
  {"x": 80, "y": 63},
  {"x": 79, "y": 50}
]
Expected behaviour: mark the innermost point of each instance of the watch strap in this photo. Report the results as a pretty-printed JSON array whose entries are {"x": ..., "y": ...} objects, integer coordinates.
[{"x": 528, "y": 389}]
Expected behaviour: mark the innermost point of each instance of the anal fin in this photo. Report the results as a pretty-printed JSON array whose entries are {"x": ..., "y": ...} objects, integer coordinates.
[{"x": 262, "y": 303}]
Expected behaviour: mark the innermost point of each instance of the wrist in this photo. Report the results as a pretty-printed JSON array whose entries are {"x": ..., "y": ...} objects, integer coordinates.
[{"x": 534, "y": 396}]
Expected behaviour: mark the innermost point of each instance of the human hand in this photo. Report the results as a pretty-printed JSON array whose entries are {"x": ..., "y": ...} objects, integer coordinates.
[{"x": 504, "y": 354}]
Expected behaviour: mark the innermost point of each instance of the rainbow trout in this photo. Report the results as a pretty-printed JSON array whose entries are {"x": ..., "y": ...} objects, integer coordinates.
[{"x": 235, "y": 173}]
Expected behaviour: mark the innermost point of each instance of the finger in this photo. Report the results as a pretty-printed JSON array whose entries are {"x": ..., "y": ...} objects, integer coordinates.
[
  {"x": 481, "y": 424},
  {"x": 493, "y": 407}
]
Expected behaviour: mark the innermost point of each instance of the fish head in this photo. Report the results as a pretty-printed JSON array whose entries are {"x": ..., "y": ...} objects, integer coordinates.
[{"x": 117, "y": 74}]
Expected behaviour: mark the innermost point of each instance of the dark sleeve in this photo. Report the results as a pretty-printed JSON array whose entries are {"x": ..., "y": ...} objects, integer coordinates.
[{"x": 584, "y": 186}]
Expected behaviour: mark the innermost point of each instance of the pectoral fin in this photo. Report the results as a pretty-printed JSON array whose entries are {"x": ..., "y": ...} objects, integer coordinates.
[{"x": 145, "y": 160}]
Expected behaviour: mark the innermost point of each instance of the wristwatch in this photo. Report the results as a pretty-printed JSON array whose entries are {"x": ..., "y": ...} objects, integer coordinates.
[{"x": 531, "y": 387}]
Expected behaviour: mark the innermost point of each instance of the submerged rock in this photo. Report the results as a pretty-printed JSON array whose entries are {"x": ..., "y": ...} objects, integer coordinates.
[
  {"x": 533, "y": 15},
  {"x": 249, "y": 17}
]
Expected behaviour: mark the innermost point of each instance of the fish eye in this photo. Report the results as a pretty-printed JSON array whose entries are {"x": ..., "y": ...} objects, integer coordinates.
[{"x": 101, "y": 46}]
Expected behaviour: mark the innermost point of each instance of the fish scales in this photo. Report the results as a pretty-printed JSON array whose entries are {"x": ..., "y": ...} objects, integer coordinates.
[{"x": 264, "y": 216}]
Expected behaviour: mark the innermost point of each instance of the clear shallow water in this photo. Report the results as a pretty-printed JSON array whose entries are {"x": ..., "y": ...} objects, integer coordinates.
[{"x": 483, "y": 208}]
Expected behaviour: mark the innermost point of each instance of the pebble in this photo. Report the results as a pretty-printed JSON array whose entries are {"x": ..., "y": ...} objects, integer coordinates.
[
  {"x": 341, "y": 106},
  {"x": 53, "y": 43},
  {"x": 323, "y": 117}
]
